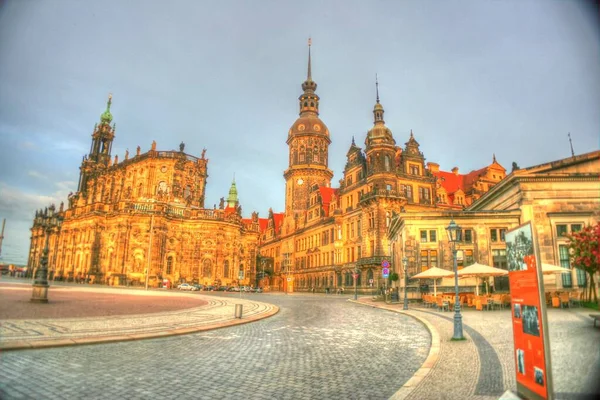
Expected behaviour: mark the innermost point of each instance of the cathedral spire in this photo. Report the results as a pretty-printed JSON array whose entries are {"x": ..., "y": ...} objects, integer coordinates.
[
  {"x": 309, "y": 75},
  {"x": 232, "y": 199},
  {"x": 106, "y": 116},
  {"x": 309, "y": 101},
  {"x": 378, "y": 109},
  {"x": 377, "y": 88}
]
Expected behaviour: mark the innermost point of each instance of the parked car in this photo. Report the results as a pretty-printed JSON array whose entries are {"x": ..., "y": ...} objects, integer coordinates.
[
  {"x": 185, "y": 286},
  {"x": 196, "y": 286},
  {"x": 258, "y": 290},
  {"x": 208, "y": 288}
]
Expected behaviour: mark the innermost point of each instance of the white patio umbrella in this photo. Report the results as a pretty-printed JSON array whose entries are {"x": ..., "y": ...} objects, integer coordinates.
[
  {"x": 481, "y": 271},
  {"x": 433, "y": 273},
  {"x": 548, "y": 269}
]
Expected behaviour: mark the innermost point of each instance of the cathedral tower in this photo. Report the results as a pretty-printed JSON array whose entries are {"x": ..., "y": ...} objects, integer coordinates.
[
  {"x": 380, "y": 146},
  {"x": 99, "y": 157},
  {"x": 308, "y": 141}
]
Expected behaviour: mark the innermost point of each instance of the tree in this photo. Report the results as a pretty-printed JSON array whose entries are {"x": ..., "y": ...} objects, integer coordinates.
[{"x": 584, "y": 247}]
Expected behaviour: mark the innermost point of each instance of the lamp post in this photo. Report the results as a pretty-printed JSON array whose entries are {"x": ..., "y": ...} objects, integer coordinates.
[
  {"x": 356, "y": 272},
  {"x": 454, "y": 236},
  {"x": 150, "y": 251},
  {"x": 405, "y": 264},
  {"x": 47, "y": 220}
]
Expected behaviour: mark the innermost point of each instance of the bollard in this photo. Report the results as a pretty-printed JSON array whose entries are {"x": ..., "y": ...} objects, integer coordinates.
[{"x": 239, "y": 309}]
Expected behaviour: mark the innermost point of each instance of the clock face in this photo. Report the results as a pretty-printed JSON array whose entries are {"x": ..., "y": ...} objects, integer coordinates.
[{"x": 300, "y": 181}]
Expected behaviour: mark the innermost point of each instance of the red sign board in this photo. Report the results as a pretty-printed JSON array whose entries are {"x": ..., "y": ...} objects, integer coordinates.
[{"x": 531, "y": 345}]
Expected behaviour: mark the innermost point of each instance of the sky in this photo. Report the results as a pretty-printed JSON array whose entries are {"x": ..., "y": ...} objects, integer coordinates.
[{"x": 471, "y": 78}]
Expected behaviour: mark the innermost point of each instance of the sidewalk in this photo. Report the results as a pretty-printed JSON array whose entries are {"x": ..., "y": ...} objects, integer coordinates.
[
  {"x": 483, "y": 366},
  {"x": 194, "y": 313}
]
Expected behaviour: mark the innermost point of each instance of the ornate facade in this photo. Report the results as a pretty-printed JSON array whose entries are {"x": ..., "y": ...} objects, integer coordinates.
[
  {"x": 390, "y": 204},
  {"x": 146, "y": 213}
]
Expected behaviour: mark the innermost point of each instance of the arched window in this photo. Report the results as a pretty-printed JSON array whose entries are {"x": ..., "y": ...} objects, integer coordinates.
[
  {"x": 226, "y": 269},
  {"x": 207, "y": 268},
  {"x": 387, "y": 162},
  {"x": 312, "y": 104},
  {"x": 169, "y": 265},
  {"x": 370, "y": 275}
]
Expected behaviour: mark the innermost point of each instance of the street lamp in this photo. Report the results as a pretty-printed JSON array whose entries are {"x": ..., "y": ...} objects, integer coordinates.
[
  {"x": 405, "y": 264},
  {"x": 356, "y": 272},
  {"x": 454, "y": 236},
  {"x": 47, "y": 220}
]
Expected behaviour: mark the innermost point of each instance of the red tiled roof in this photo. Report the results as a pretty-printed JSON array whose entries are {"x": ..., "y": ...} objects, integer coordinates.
[
  {"x": 450, "y": 181},
  {"x": 278, "y": 219},
  {"x": 263, "y": 223},
  {"x": 327, "y": 194}
]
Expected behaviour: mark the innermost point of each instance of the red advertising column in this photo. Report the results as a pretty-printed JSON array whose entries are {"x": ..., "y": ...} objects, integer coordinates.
[{"x": 529, "y": 321}]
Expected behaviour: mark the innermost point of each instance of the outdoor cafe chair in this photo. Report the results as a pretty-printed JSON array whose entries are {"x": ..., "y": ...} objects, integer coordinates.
[
  {"x": 485, "y": 302},
  {"x": 442, "y": 304},
  {"x": 575, "y": 297},
  {"x": 564, "y": 299},
  {"x": 497, "y": 301},
  {"x": 427, "y": 300}
]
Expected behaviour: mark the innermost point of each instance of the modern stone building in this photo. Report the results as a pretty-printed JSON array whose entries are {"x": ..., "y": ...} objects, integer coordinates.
[{"x": 143, "y": 213}]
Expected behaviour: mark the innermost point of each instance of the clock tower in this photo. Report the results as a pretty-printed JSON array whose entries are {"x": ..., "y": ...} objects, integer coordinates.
[{"x": 308, "y": 141}]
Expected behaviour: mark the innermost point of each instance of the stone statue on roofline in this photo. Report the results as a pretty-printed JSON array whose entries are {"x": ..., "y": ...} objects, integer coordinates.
[
  {"x": 153, "y": 145},
  {"x": 181, "y": 147}
]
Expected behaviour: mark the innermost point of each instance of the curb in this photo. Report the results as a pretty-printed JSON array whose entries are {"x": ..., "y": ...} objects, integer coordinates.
[
  {"x": 61, "y": 342},
  {"x": 430, "y": 361}
]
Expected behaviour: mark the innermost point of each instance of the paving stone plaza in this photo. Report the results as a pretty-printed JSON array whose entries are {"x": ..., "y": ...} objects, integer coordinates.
[{"x": 315, "y": 346}]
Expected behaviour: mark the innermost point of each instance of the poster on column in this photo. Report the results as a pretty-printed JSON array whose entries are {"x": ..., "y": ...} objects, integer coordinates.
[{"x": 530, "y": 330}]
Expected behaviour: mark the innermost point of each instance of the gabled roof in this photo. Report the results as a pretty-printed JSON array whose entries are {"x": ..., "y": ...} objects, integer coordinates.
[
  {"x": 327, "y": 194},
  {"x": 263, "y": 223},
  {"x": 278, "y": 220}
]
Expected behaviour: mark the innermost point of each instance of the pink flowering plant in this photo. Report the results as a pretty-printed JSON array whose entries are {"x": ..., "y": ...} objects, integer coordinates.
[{"x": 584, "y": 247}]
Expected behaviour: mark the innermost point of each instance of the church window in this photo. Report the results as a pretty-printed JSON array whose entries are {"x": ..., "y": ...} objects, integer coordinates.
[
  {"x": 226, "y": 269},
  {"x": 312, "y": 104},
  {"x": 387, "y": 162},
  {"x": 206, "y": 268},
  {"x": 169, "y": 265},
  {"x": 306, "y": 104},
  {"x": 302, "y": 157},
  {"x": 316, "y": 156}
]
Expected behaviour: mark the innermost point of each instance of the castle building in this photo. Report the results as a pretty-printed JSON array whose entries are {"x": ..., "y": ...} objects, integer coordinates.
[
  {"x": 146, "y": 213},
  {"x": 144, "y": 217},
  {"x": 338, "y": 237}
]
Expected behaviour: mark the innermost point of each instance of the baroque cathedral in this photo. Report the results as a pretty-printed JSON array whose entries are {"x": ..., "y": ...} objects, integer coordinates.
[
  {"x": 146, "y": 213},
  {"x": 144, "y": 216}
]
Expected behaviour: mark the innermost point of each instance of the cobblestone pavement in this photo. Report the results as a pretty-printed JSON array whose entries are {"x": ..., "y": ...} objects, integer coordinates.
[
  {"x": 211, "y": 312},
  {"x": 483, "y": 366},
  {"x": 316, "y": 347}
]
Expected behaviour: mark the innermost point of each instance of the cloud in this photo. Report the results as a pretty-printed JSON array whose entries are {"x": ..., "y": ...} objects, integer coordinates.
[
  {"x": 27, "y": 145},
  {"x": 19, "y": 205},
  {"x": 36, "y": 174}
]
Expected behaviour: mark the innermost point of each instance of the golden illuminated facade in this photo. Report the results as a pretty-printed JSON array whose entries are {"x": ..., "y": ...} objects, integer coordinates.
[
  {"x": 143, "y": 213},
  {"x": 390, "y": 205}
]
